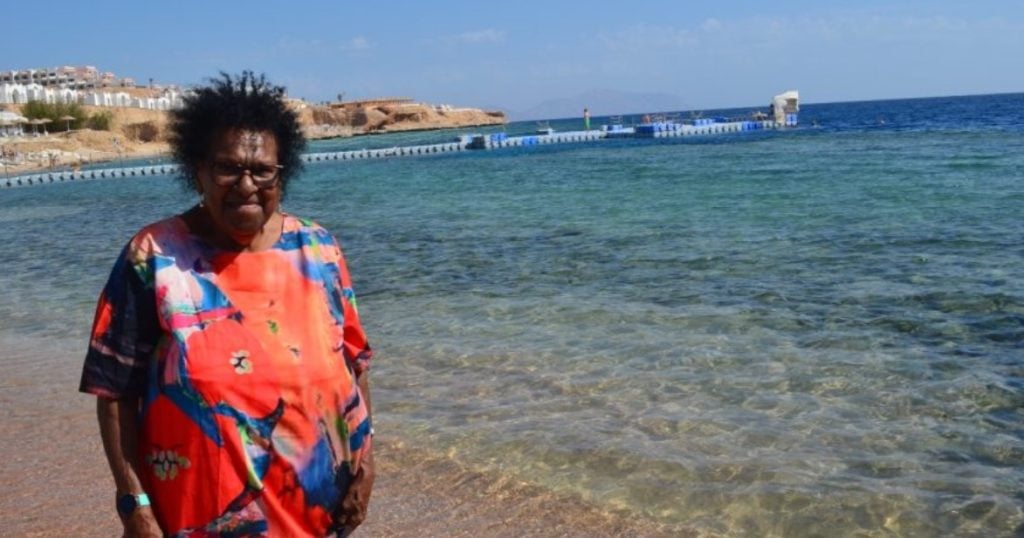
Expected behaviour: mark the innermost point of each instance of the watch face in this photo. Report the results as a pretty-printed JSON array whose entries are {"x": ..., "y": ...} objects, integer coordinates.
[{"x": 126, "y": 504}]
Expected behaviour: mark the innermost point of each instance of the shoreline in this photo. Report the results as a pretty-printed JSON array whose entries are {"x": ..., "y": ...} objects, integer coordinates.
[
  {"x": 141, "y": 133},
  {"x": 417, "y": 493},
  {"x": 420, "y": 494},
  {"x": 65, "y": 152},
  {"x": 36, "y": 161}
]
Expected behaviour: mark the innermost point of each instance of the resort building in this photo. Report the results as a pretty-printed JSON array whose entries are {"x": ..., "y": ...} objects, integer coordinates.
[
  {"x": 84, "y": 85},
  {"x": 67, "y": 76}
]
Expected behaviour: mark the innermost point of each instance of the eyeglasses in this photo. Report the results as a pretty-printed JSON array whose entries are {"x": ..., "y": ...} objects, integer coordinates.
[{"x": 263, "y": 176}]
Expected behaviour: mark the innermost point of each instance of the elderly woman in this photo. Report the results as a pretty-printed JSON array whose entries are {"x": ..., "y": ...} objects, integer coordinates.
[{"x": 227, "y": 356}]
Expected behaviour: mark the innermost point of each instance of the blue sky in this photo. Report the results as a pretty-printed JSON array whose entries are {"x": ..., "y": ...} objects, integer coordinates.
[{"x": 516, "y": 55}]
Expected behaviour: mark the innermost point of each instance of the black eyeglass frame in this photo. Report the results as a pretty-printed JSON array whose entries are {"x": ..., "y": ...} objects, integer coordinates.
[{"x": 229, "y": 174}]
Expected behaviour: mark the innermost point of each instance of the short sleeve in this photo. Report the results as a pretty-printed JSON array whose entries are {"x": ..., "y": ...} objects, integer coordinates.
[
  {"x": 356, "y": 349},
  {"x": 124, "y": 334}
]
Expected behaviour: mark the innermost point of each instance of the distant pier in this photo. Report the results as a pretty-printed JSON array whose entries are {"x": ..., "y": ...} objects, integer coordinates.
[{"x": 696, "y": 128}]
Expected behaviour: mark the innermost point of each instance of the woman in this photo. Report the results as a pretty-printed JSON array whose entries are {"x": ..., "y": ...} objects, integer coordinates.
[{"x": 227, "y": 356}]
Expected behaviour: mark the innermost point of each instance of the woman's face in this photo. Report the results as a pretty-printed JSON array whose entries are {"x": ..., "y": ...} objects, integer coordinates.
[{"x": 237, "y": 207}]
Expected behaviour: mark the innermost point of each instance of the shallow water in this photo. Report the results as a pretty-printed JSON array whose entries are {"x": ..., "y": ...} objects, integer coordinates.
[{"x": 814, "y": 332}]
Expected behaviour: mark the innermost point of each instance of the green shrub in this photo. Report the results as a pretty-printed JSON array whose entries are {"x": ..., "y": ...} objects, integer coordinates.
[
  {"x": 99, "y": 121},
  {"x": 145, "y": 131},
  {"x": 35, "y": 110}
]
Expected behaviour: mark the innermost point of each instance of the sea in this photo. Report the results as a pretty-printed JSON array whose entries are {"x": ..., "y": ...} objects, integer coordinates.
[{"x": 815, "y": 331}]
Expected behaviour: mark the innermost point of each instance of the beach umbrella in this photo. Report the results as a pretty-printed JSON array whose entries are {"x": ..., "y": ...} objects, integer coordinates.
[
  {"x": 35, "y": 125},
  {"x": 44, "y": 121},
  {"x": 67, "y": 120},
  {"x": 14, "y": 119}
]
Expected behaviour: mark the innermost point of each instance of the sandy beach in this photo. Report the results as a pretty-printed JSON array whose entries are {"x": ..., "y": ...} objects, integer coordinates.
[
  {"x": 73, "y": 150},
  {"x": 56, "y": 481}
]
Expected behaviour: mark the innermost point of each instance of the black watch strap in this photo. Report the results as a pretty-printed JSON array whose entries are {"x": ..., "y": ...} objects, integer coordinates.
[{"x": 129, "y": 502}]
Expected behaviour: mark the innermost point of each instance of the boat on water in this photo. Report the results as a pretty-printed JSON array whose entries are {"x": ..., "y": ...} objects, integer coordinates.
[
  {"x": 783, "y": 111},
  {"x": 785, "y": 107}
]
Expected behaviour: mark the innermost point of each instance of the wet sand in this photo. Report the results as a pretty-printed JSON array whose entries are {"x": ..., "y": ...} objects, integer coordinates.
[{"x": 55, "y": 480}]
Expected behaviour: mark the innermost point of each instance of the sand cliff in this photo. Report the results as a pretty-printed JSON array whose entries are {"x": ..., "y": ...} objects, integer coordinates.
[{"x": 389, "y": 115}]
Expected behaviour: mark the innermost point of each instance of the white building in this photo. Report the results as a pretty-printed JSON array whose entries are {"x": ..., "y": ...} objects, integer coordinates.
[
  {"x": 95, "y": 99},
  {"x": 35, "y": 92},
  {"x": 13, "y": 93},
  {"x": 17, "y": 93},
  {"x": 59, "y": 95},
  {"x": 148, "y": 103},
  {"x": 67, "y": 96}
]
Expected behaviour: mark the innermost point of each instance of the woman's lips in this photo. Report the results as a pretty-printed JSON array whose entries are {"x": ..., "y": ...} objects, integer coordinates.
[
  {"x": 245, "y": 209},
  {"x": 242, "y": 203}
]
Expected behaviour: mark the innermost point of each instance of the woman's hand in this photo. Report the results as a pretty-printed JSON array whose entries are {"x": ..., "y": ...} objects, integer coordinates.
[
  {"x": 119, "y": 419},
  {"x": 356, "y": 501},
  {"x": 142, "y": 524}
]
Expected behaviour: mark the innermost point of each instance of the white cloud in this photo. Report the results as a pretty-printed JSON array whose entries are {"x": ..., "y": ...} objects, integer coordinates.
[
  {"x": 489, "y": 35},
  {"x": 288, "y": 44},
  {"x": 356, "y": 43},
  {"x": 755, "y": 35},
  {"x": 711, "y": 25},
  {"x": 645, "y": 37},
  {"x": 312, "y": 46}
]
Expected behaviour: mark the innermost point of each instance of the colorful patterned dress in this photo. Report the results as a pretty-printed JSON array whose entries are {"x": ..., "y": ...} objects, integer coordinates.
[{"x": 245, "y": 364}]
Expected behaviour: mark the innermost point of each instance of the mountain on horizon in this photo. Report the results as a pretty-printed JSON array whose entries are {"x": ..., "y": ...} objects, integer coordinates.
[{"x": 601, "y": 103}]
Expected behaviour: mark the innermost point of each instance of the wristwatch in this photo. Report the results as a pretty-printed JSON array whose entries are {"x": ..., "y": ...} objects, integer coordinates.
[{"x": 127, "y": 503}]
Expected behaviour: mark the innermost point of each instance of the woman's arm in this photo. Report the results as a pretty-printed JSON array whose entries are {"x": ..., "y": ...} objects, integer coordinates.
[
  {"x": 357, "y": 353},
  {"x": 118, "y": 427},
  {"x": 357, "y": 499}
]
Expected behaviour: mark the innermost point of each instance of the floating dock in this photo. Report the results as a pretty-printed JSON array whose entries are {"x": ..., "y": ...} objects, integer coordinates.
[{"x": 700, "y": 127}]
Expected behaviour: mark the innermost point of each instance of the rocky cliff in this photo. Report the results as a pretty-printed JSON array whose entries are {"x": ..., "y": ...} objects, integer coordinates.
[{"x": 388, "y": 116}]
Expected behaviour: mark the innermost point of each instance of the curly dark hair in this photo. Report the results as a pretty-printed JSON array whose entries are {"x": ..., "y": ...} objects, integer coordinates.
[{"x": 245, "y": 101}]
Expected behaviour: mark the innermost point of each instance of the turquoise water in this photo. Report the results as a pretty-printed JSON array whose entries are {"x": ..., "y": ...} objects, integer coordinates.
[{"x": 816, "y": 332}]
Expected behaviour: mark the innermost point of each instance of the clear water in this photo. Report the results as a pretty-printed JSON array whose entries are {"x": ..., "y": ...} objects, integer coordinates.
[{"x": 805, "y": 333}]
